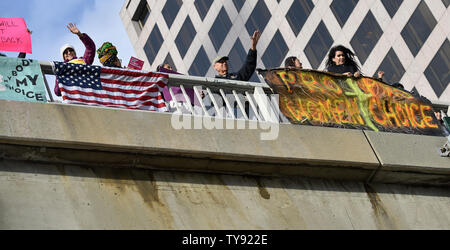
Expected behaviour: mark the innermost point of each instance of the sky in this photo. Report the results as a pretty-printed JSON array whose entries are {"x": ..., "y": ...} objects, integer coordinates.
[{"x": 48, "y": 20}]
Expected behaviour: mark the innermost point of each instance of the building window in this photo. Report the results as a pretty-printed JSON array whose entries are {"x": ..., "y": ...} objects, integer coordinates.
[
  {"x": 318, "y": 46},
  {"x": 170, "y": 11},
  {"x": 153, "y": 44},
  {"x": 203, "y": 7},
  {"x": 298, "y": 14},
  {"x": 220, "y": 29},
  {"x": 366, "y": 37},
  {"x": 259, "y": 18},
  {"x": 392, "y": 6},
  {"x": 418, "y": 28},
  {"x": 438, "y": 72},
  {"x": 342, "y": 10},
  {"x": 237, "y": 56},
  {"x": 238, "y": 4},
  {"x": 185, "y": 37},
  {"x": 275, "y": 52},
  {"x": 201, "y": 64},
  {"x": 392, "y": 67},
  {"x": 141, "y": 16}
]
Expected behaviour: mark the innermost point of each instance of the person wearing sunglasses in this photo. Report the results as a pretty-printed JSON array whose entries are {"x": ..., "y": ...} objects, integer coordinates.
[{"x": 69, "y": 54}]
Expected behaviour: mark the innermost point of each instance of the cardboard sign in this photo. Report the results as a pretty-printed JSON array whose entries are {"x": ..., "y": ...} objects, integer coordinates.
[
  {"x": 324, "y": 99},
  {"x": 135, "y": 63},
  {"x": 21, "y": 80},
  {"x": 14, "y": 35}
]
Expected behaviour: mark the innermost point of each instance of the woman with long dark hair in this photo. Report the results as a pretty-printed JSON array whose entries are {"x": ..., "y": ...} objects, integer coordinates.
[{"x": 341, "y": 60}]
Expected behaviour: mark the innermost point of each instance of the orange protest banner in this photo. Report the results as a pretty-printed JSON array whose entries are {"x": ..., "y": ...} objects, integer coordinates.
[{"x": 326, "y": 99}]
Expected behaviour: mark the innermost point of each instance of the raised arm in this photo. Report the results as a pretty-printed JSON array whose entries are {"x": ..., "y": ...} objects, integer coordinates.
[{"x": 89, "y": 53}]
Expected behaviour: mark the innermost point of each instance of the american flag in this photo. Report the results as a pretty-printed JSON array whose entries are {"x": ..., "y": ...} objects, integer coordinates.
[{"x": 111, "y": 87}]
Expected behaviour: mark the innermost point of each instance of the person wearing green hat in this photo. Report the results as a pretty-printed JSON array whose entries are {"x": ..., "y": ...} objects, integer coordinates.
[
  {"x": 220, "y": 64},
  {"x": 107, "y": 55}
]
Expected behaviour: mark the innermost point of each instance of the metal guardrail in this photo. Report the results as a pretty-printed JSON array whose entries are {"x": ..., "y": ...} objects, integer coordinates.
[
  {"x": 217, "y": 97},
  {"x": 228, "y": 98}
]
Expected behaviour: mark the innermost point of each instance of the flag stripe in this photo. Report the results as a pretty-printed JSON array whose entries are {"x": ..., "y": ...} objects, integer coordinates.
[
  {"x": 112, "y": 87},
  {"x": 134, "y": 83},
  {"x": 113, "y": 97},
  {"x": 133, "y": 73},
  {"x": 141, "y": 105}
]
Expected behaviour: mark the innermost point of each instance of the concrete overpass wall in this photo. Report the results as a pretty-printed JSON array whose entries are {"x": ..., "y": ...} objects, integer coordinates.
[{"x": 78, "y": 167}]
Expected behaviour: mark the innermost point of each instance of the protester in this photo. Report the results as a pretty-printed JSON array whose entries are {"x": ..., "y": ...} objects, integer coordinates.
[
  {"x": 245, "y": 73},
  {"x": 107, "y": 55},
  {"x": 165, "y": 66},
  {"x": 341, "y": 60},
  {"x": 178, "y": 93},
  {"x": 293, "y": 62},
  {"x": 444, "y": 128},
  {"x": 69, "y": 54}
]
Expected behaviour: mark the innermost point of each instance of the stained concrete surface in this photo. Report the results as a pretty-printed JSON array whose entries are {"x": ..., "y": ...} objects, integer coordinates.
[{"x": 45, "y": 196}]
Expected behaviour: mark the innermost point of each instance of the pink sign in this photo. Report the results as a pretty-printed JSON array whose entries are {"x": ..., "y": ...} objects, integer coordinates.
[
  {"x": 14, "y": 35},
  {"x": 135, "y": 63}
]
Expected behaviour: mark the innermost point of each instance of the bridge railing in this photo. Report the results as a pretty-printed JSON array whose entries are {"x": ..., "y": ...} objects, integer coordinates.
[{"x": 212, "y": 97}]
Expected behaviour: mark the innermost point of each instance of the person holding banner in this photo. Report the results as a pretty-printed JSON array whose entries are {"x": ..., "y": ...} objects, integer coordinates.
[
  {"x": 341, "y": 61},
  {"x": 69, "y": 55}
]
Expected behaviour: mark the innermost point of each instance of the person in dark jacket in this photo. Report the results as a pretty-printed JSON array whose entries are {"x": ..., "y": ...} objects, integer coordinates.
[
  {"x": 69, "y": 54},
  {"x": 245, "y": 73},
  {"x": 341, "y": 61}
]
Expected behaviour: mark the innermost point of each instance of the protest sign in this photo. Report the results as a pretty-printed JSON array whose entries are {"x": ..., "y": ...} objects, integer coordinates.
[
  {"x": 135, "y": 63},
  {"x": 325, "y": 99},
  {"x": 21, "y": 80},
  {"x": 14, "y": 35}
]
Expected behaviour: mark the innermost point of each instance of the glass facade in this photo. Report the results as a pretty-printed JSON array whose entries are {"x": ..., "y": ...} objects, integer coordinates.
[
  {"x": 438, "y": 72},
  {"x": 276, "y": 51},
  {"x": 237, "y": 56},
  {"x": 238, "y": 4},
  {"x": 170, "y": 11},
  {"x": 392, "y": 6},
  {"x": 298, "y": 14},
  {"x": 153, "y": 44},
  {"x": 202, "y": 7},
  {"x": 220, "y": 29},
  {"x": 418, "y": 28},
  {"x": 141, "y": 15},
  {"x": 342, "y": 10},
  {"x": 259, "y": 18},
  {"x": 185, "y": 37},
  {"x": 366, "y": 37},
  {"x": 201, "y": 64},
  {"x": 392, "y": 68},
  {"x": 318, "y": 46},
  {"x": 321, "y": 24}
]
